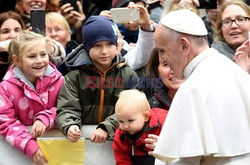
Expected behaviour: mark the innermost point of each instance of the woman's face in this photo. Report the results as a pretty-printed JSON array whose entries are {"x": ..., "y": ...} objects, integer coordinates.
[
  {"x": 29, "y": 4},
  {"x": 235, "y": 34},
  {"x": 57, "y": 32},
  {"x": 9, "y": 29},
  {"x": 168, "y": 77}
]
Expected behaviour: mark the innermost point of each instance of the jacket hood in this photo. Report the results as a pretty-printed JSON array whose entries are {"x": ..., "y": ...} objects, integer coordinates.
[
  {"x": 15, "y": 75},
  {"x": 79, "y": 57}
]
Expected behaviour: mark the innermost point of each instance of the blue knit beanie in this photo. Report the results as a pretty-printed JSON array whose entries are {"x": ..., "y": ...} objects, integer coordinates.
[{"x": 98, "y": 28}]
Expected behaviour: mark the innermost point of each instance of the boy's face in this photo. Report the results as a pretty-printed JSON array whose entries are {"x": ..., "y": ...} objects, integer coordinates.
[
  {"x": 102, "y": 53},
  {"x": 131, "y": 122}
]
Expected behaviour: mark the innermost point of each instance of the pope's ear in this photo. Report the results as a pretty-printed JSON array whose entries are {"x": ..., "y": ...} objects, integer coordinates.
[
  {"x": 147, "y": 115},
  {"x": 185, "y": 45}
]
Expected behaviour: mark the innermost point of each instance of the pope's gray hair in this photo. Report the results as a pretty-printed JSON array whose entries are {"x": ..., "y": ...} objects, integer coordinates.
[{"x": 196, "y": 40}]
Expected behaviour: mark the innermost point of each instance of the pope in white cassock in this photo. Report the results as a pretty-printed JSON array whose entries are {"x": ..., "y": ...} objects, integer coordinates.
[{"x": 209, "y": 120}]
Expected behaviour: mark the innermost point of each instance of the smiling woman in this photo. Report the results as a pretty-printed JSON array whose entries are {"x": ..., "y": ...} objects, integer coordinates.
[
  {"x": 11, "y": 24},
  {"x": 23, "y": 7},
  {"x": 158, "y": 68},
  {"x": 232, "y": 27}
]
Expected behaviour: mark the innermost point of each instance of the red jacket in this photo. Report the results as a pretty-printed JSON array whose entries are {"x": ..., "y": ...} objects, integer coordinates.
[{"x": 131, "y": 150}]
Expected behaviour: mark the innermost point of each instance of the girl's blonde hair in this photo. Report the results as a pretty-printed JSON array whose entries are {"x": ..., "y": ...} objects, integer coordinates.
[
  {"x": 24, "y": 42},
  {"x": 57, "y": 18},
  {"x": 218, "y": 32}
]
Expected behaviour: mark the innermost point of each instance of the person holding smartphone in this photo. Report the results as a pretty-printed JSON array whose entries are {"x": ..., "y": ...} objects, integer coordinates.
[
  {"x": 23, "y": 7},
  {"x": 130, "y": 30},
  {"x": 72, "y": 10}
]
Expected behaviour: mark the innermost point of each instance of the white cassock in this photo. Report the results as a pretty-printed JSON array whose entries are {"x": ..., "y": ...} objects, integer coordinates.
[{"x": 209, "y": 119}]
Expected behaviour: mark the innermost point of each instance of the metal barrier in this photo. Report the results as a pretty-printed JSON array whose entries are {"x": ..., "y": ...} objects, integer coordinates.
[{"x": 94, "y": 153}]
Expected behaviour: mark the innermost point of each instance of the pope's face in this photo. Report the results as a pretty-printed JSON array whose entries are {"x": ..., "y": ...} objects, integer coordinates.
[{"x": 169, "y": 51}]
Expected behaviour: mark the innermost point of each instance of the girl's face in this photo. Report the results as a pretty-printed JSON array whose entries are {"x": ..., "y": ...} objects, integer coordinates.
[
  {"x": 9, "y": 29},
  {"x": 29, "y": 4},
  {"x": 102, "y": 53},
  {"x": 57, "y": 32},
  {"x": 235, "y": 34},
  {"x": 167, "y": 76},
  {"x": 33, "y": 62}
]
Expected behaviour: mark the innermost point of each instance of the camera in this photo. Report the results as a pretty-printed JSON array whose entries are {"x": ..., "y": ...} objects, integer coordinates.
[
  {"x": 37, "y": 21},
  {"x": 124, "y": 15},
  {"x": 207, "y": 4}
]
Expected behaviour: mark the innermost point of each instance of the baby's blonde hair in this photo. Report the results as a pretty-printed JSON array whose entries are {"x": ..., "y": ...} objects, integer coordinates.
[{"x": 132, "y": 97}]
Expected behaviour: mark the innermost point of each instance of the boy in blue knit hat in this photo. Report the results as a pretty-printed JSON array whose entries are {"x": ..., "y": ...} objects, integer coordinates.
[{"x": 91, "y": 88}]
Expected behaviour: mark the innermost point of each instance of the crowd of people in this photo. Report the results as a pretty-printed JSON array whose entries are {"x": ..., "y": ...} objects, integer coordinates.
[{"x": 170, "y": 88}]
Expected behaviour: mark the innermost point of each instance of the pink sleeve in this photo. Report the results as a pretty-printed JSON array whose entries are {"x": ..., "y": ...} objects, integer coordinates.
[
  {"x": 31, "y": 147},
  {"x": 47, "y": 117},
  {"x": 14, "y": 132}
]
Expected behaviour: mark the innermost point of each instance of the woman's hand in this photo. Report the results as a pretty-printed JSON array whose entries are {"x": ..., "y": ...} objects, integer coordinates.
[{"x": 242, "y": 56}]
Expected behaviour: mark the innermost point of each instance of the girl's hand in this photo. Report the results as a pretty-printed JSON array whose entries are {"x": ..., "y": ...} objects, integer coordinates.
[
  {"x": 38, "y": 158},
  {"x": 38, "y": 128}
]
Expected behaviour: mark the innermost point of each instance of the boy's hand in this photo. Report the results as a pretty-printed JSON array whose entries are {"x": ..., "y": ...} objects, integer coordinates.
[
  {"x": 38, "y": 128},
  {"x": 151, "y": 142},
  {"x": 74, "y": 133},
  {"x": 38, "y": 158},
  {"x": 99, "y": 136}
]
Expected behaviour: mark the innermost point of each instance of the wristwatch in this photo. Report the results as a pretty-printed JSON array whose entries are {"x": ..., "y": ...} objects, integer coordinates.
[{"x": 150, "y": 29}]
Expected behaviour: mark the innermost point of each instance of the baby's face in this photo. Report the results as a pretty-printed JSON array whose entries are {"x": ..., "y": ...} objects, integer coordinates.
[{"x": 132, "y": 122}]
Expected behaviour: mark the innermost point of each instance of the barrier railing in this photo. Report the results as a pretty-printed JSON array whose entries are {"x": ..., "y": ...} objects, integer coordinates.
[{"x": 94, "y": 153}]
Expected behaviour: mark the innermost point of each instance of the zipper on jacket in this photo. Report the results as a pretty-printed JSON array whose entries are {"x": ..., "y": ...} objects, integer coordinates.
[
  {"x": 133, "y": 150},
  {"x": 101, "y": 106}
]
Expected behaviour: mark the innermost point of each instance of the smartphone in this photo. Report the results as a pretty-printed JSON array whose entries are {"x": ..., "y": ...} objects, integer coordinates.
[
  {"x": 154, "y": 5},
  {"x": 125, "y": 15},
  {"x": 37, "y": 21},
  {"x": 71, "y": 2},
  {"x": 207, "y": 4}
]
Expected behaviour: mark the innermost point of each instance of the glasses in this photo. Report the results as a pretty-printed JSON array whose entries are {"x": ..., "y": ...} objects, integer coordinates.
[{"x": 238, "y": 21}]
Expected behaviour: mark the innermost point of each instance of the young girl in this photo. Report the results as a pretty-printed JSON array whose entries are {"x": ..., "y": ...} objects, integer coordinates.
[{"x": 28, "y": 94}]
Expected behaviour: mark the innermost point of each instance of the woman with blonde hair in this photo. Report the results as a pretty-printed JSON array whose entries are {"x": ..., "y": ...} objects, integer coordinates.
[
  {"x": 57, "y": 28},
  {"x": 232, "y": 27}
]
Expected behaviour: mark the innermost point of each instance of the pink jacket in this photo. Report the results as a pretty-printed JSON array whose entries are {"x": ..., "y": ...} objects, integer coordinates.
[{"x": 21, "y": 105}]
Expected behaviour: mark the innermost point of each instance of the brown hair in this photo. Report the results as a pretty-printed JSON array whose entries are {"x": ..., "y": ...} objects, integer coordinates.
[
  {"x": 13, "y": 15},
  {"x": 152, "y": 65},
  {"x": 218, "y": 32}
]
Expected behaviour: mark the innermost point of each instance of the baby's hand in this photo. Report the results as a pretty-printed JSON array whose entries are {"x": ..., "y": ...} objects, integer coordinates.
[
  {"x": 38, "y": 158},
  {"x": 74, "y": 133},
  {"x": 151, "y": 142},
  {"x": 38, "y": 128},
  {"x": 99, "y": 136}
]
